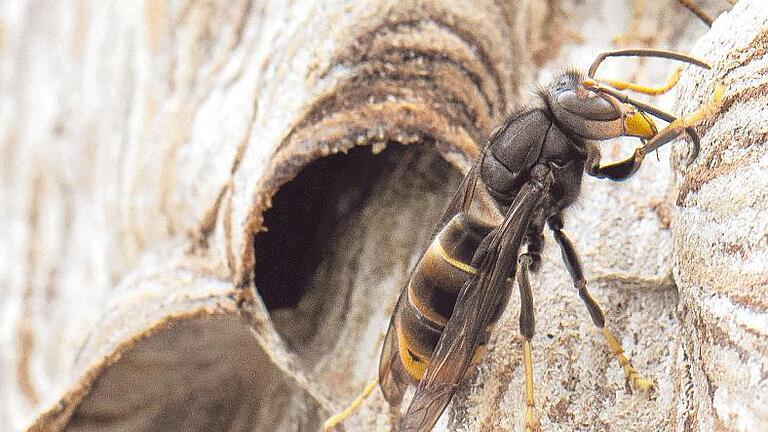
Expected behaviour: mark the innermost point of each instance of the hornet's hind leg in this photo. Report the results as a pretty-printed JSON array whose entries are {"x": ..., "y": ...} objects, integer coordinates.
[
  {"x": 530, "y": 261},
  {"x": 526, "y": 329},
  {"x": 571, "y": 259},
  {"x": 336, "y": 419}
]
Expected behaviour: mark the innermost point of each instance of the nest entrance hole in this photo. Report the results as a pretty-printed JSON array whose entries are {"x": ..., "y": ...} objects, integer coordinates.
[{"x": 347, "y": 228}]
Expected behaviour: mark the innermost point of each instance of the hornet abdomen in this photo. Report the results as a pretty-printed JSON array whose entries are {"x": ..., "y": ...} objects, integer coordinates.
[{"x": 432, "y": 291}]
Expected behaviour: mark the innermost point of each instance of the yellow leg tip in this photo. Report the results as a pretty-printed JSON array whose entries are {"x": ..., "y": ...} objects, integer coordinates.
[
  {"x": 635, "y": 381},
  {"x": 642, "y": 384},
  {"x": 531, "y": 420},
  {"x": 336, "y": 419},
  {"x": 708, "y": 110},
  {"x": 719, "y": 92}
]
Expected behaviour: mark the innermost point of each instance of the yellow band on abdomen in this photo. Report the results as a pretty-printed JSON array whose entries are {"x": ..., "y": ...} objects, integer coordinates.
[
  {"x": 466, "y": 268},
  {"x": 415, "y": 366}
]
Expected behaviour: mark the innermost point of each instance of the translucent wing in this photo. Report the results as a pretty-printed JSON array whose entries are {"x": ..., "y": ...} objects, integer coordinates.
[
  {"x": 393, "y": 377},
  {"x": 475, "y": 305},
  {"x": 462, "y": 198}
]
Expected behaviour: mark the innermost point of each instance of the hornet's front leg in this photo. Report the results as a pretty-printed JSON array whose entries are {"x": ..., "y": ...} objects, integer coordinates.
[
  {"x": 530, "y": 261},
  {"x": 617, "y": 171},
  {"x": 624, "y": 169}
]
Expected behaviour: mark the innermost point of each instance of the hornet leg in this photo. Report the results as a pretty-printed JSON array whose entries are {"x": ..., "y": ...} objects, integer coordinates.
[
  {"x": 638, "y": 88},
  {"x": 571, "y": 259},
  {"x": 616, "y": 171},
  {"x": 334, "y": 420},
  {"x": 526, "y": 329},
  {"x": 534, "y": 240},
  {"x": 622, "y": 170},
  {"x": 696, "y": 10}
]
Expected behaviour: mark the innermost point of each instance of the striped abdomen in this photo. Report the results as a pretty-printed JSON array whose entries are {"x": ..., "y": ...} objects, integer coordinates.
[{"x": 432, "y": 292}]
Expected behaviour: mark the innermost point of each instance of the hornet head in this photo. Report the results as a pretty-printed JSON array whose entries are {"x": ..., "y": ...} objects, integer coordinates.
[{"x": 594, "y": 115}]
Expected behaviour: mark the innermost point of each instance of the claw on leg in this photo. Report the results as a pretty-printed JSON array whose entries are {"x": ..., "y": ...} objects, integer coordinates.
[
  {"x": 531, "y": 419},
  {"x": 678, "y": 126},
  {"x": 633, "y": 377}
]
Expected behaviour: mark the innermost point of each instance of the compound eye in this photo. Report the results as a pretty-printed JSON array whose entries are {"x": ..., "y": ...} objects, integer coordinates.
[{"x": 587, "y": 105}]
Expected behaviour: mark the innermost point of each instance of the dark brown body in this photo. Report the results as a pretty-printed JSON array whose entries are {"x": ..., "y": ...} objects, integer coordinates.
[
  {"x": 430, "y": 296},
  {"x": 491, "y": 234}
]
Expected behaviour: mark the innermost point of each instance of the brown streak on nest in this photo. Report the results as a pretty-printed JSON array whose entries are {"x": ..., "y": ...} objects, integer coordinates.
[
  {"x": 716, "y": 336},
  {"x": 691, "y": 417},
  {"x": 208, "y": 221},
  {"x": 240, "y": 25},
  {"x": 360, "y": 51},
  {"x": 388, "y": 122},
  {"x": 701, "y": 328},
  {"x": 731, "y": 248},
  {"x": 719, "y": 281},
  {"x": 406, "y": 67},
  {"x": 754, "y": 50},
  {"x": 502, "y": 379},
  {"x": 426, "y": 75},
  {"x": 211, "y": 216},
  {"x": 437, "y": 54},
  {"x": 400, "y": 122},
  {"x": 357, "y": 94},
  {"x": 228, "y": 236},
  {"x": 690, "y": 408},
  {"x": 749, "y": 284}
]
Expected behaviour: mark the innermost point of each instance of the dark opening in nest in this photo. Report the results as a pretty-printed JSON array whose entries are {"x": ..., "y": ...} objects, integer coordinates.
[
  {"x": 304, "y": 215},
  {"x": 347, "y": 227}
]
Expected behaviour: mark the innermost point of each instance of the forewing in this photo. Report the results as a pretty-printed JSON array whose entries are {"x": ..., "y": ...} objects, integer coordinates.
[
  {"x": 475, "y": 305},
  {"x": 462, "y": 198},
  {"x": 393, "y": 378},
  {"x": 392, "y": 375}
]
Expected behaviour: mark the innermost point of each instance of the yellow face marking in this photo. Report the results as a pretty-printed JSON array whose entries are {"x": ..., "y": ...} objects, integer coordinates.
[{"x": 640, "y": 125}]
